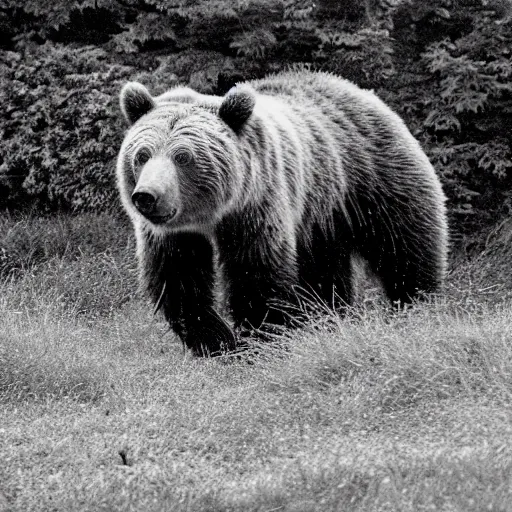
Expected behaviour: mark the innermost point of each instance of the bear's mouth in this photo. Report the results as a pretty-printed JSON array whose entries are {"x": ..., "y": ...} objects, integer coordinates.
[{"x": 162, "y": 219}]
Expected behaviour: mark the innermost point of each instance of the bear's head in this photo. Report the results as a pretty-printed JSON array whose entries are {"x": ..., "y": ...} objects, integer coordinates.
[{"x": 179, "y": 167}]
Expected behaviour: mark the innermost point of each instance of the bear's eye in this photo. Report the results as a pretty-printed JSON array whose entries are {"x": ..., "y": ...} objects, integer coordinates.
[
  {"x": 183, "y": 157},
  {"x": 142, "y": 157}
]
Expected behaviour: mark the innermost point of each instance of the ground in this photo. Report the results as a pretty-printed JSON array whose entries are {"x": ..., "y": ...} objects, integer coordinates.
[{"x": 102, "y": 409}]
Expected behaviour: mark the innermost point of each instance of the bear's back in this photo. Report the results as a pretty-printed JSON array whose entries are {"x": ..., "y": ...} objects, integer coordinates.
[
  {"x": 335, "y": 138},
  {"x": 339, "y": 100},
  {"x": 358, "y": 120},
  {"x": 360, "y": 155}
]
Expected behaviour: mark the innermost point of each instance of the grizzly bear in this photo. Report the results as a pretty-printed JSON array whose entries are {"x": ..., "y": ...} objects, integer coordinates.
[{"x": 275, "y": 186}]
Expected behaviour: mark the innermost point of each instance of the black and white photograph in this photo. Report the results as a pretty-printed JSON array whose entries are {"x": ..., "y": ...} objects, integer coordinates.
[{"x": 256, "y": 256}]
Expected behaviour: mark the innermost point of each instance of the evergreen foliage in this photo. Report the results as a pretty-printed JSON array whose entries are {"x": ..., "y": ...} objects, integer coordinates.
[
  {"x": 457, "y": 97},
  {"x": 59, "y": 129},
  {"x": 445, "y": 66}
]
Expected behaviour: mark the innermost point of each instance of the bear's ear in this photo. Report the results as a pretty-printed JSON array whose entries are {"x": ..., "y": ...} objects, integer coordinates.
[
  {"x": 237, "y": 106},
  {"x": 135, "y": 101}
]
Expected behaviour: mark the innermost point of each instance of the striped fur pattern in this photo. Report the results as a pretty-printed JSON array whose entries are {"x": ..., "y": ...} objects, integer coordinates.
[{"x": 283, "y": 180}]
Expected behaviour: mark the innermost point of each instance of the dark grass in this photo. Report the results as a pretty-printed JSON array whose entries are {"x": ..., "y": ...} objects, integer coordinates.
[{"x": 27, "y": 240}]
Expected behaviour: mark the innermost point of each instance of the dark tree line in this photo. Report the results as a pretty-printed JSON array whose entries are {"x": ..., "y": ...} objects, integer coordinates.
[{"x": 444, "y": 65}]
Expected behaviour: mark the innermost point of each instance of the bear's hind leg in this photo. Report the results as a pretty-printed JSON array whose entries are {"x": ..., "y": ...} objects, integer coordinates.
[{"x": 406, "y": 267}]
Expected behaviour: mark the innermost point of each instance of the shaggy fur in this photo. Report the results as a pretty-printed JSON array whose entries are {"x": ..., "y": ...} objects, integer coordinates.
[{"x": 284, "y": 179}]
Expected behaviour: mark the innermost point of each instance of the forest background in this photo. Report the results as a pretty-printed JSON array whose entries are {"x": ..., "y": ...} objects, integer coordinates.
[{"x": 444, "y": 65}]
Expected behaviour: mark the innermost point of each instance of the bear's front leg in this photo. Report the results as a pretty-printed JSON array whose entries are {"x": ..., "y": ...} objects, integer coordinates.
[{"x": 178, "y": 271}]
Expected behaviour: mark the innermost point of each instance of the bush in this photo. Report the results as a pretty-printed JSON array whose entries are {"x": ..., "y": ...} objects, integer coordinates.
[
  {"x": 444, "y": 66},
  {"x": 60, "y": 128},
  {"x": 457, "y": 98}
]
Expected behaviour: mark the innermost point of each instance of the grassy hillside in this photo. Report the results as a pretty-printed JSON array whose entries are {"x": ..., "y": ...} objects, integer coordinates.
[{"x": 102, "y": 409}]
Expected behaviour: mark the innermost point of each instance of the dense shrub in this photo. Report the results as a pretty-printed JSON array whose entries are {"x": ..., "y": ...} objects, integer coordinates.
[
  {"x": 457, "y": 98},
  {"x": 60, "y": 129},
  {"x": 443, "y": 65}
]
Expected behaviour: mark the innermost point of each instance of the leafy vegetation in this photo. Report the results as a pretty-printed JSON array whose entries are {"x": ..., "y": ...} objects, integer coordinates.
[
  {"x": 445, "y": 67},
  {"x": 59, "y": 130},
  {"x": 457, "y": 98}
]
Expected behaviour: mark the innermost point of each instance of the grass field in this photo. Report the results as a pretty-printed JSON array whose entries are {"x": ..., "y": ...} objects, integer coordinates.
[{"x": 101, "y": 409}]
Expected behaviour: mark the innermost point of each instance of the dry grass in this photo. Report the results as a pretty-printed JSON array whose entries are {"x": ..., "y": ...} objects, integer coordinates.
[{"x": 101, "y": 409}]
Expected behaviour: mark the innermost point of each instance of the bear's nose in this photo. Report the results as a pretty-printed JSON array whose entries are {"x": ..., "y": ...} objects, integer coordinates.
[{"x": 145, "y": 202}]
